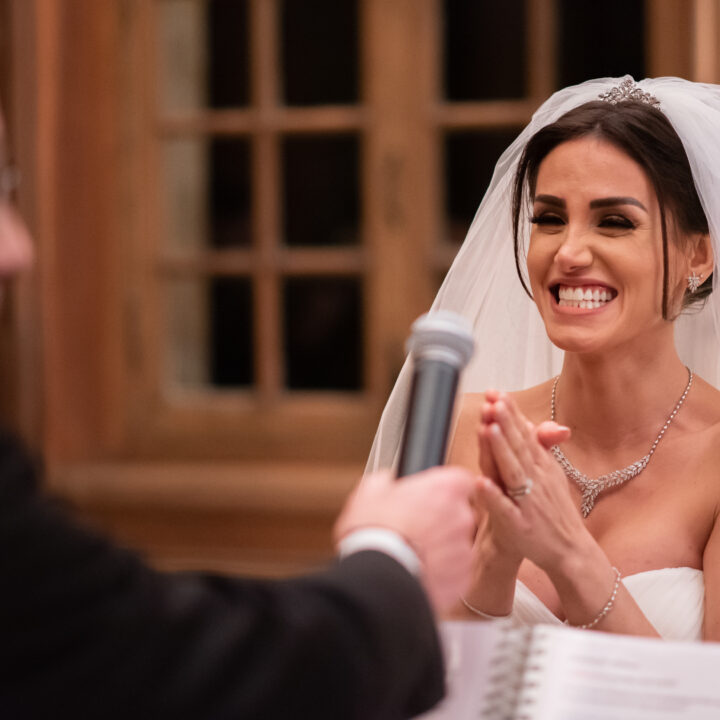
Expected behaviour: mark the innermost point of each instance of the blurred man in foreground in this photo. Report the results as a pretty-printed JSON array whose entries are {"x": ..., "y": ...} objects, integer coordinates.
[{"x": 88, "y": 631}]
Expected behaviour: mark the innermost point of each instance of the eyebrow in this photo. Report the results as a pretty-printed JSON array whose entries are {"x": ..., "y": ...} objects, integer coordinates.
[
  {"x": 550, "y": 200},
  {"x": 599, "y": 203},
  {"x": 611, "y": 201}
]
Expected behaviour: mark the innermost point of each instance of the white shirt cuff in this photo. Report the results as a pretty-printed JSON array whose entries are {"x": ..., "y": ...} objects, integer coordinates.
[{"x": 383, "y": 540}]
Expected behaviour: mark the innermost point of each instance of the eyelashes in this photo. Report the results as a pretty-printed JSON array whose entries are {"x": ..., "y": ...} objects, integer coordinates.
[
  {"x": 546, "y": 220},
  {"x": 610, "y": 222},
  {"x": 617, "y": 221}
]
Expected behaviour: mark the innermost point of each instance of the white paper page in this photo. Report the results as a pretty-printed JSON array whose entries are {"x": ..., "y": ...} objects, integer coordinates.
[{"x": 599, "y": 676}]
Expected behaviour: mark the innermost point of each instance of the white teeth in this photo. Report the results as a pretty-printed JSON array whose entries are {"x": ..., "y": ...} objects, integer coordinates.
[
  {"x": 586, "y": 298},
  {"x": 583, "y": 304}
]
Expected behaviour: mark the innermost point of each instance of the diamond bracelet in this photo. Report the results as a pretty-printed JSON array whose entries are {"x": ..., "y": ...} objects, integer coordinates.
[{"x": 608, "y": 605}]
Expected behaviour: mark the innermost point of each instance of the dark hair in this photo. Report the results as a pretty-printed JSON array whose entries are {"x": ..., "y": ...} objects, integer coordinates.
[{"x": 645, "y": 135}]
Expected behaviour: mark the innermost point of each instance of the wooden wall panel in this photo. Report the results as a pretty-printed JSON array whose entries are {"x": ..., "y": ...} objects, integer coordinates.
[
  {"x": 706, "y": 41},
  {"x": 669, "y": 37},
  {"x": 81, "y": 267}
]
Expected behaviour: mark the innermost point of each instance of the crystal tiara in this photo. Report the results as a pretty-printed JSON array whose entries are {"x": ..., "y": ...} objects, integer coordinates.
[{"x": 628, "y": 90}]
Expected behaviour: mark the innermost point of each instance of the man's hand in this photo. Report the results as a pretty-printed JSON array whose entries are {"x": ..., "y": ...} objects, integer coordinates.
[{"x": 431, "y": 512}]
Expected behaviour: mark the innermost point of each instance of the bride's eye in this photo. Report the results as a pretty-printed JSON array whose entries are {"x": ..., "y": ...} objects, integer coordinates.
[
  {"x": 616, "y": 222},
  {"x": 547, "y": 219}
]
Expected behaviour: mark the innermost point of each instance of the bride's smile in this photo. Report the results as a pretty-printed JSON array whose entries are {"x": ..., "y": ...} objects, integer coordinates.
[{"x": 586, "y": 296}]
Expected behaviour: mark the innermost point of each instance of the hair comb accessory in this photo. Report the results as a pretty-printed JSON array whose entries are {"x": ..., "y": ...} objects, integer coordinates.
[{"x": 628, "y": 90}]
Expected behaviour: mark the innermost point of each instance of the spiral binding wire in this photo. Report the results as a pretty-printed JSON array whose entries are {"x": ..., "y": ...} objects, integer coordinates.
[
  {"x": 509, "y": 668},
  {"x": 535, "y": 666}
]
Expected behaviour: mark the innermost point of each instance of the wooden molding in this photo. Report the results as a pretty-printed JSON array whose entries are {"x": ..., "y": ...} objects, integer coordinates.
[
  {"x": 261, "y": 519},
  {"x": 257, "y": 487}
]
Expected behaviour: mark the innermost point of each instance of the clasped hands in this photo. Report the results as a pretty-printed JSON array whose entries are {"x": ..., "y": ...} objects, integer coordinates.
[{"x": 529, "y": 512}]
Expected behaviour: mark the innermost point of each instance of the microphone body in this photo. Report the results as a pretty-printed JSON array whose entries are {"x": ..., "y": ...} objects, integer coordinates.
[{"x": 441, "y": 344}]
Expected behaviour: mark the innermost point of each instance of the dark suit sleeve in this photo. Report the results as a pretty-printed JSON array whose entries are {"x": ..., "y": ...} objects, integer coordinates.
[{"x": 87, "y": 630}]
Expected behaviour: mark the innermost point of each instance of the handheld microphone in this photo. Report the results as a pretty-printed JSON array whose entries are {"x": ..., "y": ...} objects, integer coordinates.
[{"x": 441, "y": 345}]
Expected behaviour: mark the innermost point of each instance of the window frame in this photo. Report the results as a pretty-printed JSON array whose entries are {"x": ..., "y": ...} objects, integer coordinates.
[{"x": 86, "y": 321}]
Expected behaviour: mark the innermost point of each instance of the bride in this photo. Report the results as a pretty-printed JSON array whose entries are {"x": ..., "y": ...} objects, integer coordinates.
[{"x": 607, "y": 519}]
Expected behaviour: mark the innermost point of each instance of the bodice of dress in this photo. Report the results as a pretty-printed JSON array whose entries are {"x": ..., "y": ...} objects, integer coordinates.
[{"x": 672, "y": 599}]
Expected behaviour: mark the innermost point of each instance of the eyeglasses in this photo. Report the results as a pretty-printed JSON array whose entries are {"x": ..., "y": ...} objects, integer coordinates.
[{"x": 9, "y": 182}]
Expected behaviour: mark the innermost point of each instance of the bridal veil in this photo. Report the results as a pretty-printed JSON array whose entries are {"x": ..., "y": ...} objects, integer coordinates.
[{"x": 512, "y": 349}]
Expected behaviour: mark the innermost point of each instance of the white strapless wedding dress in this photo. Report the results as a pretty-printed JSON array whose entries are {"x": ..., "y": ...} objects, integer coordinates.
[{"x": 673, "y": 600}]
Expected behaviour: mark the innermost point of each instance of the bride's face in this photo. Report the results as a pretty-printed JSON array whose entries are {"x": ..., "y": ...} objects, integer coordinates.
[{"x": 595, "y": 258}]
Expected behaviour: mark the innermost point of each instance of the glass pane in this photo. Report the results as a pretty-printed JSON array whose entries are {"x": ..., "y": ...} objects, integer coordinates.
[
  {"x": 204, "y": 53},
  {"x": 211, "y": 330},
  {"x": 207, "y": 186},
  {"x": 323, "y": 333},
  {"x": 231, "y": 331},
  {"x": 485, "y": 49},
  {"x": 229, "y": 192},
  {"x": 319, "y": 44},
  {"x": 321, "y": 189},
  {"x": 470, "y": 158},
  {"x": 228, "y": 53},
  {"x": 591, "y": 46}
]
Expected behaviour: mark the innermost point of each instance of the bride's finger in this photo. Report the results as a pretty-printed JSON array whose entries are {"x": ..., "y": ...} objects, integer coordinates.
[
  {"x": 499, "y": 504},
  {"x": 525, "y": 427},
  {"x": 488, "y": 466},
  {"x": 487, "y": 413},
  {"x": 513, "y": 474},
  {"x": 517, "y": 435},
  {"x": 550, "y": 433},
  {"x": 527, "y": 430}
]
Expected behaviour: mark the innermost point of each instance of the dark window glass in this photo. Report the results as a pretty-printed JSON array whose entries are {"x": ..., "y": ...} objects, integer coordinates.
[
  {"x": 319, "y": 51},
  {"x": 485, "y": 49},
  {"x": 229, "y": 192},
  {"x": 600, "y": 39},
  {"x": 228, "y": 62},
  {"x": 470, "y": 158},
  {"x": 323, "y": 333},
  {"x": 231, "y": 331},
  {"x": 321, "y": 189}
]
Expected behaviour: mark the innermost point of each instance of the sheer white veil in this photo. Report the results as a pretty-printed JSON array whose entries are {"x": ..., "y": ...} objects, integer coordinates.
[{"x": 512, "y": 349}]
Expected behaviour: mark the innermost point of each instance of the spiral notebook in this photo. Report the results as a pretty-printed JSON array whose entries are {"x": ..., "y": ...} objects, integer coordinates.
[{"x": 499, "y": 672}]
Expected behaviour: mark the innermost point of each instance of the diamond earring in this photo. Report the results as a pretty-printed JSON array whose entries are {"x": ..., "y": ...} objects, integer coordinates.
[{"x": 693, "y": 283}]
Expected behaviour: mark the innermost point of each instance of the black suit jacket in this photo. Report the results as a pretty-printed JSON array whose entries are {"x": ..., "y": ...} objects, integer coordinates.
[{"x": 88, "y": 631}]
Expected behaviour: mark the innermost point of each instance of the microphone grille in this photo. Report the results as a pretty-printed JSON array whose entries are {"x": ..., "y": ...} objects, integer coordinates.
[{"x": 443, "y": 335}]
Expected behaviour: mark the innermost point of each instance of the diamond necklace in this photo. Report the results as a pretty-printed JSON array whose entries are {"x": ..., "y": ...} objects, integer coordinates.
[{"x": 592, "y": 487}]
